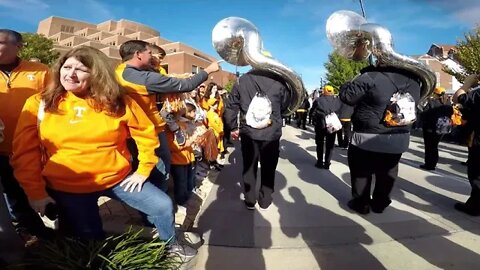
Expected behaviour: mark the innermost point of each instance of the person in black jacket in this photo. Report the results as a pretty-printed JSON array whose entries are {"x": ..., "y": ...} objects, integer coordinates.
[
  {"x": 470, "y": 100},
  {"x": 376, "y": 148},
  {"x": 257, "y": 144},
  {"x": 324, "y": 105},
  {"x": 345, "y": 134},
  {"x": 438, "y": 106}
]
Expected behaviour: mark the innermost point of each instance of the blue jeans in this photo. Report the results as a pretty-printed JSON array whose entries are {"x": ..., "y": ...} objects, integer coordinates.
[
  {"x": 79, "y": 213},
  {"x": 159, "y": 174},
  {"x": 183, "y": 182}
]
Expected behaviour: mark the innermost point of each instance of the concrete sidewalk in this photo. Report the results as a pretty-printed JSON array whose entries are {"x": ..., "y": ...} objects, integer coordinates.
[{"x": 309, "y": 226}]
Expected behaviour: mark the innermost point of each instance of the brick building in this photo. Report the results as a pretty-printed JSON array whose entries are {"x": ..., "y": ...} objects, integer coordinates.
[
  {"x": 109, "y": 35},
  {"x": 436, "y": 58}
]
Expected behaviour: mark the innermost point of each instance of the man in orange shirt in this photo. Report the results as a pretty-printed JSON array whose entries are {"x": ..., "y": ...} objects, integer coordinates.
[{"x": 19, "y": 80}]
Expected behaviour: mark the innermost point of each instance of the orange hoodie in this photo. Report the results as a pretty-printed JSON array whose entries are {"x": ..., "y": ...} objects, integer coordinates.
[
  {"x": 87, "y": 149},
  {"x": 26, "y": 79}
]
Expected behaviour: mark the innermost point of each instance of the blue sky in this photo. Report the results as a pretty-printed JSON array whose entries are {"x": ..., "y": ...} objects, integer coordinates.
[{"x": 292, "y": 30}]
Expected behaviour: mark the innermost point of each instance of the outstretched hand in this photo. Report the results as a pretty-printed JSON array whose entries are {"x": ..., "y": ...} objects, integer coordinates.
[
  {"x": 132, "y": 182},
  {"x": 213, "y": 67}
]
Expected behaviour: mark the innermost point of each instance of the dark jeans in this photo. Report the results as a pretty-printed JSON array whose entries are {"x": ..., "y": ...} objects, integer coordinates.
[
  {"x": 363, "y": 165},
  {"x": 345, "y": 134},
  {"x": 17, "y": 202},
  {"x": 79, "y": 212},
  {"x": 11, "y": 247},
  {"x": 431, "y": 141},
  {"x": 473, "y": 172},
  {"x": 183, "y": 182},
  {"x": 321, "y": 135},
  {"x": 267, "y": 152}
]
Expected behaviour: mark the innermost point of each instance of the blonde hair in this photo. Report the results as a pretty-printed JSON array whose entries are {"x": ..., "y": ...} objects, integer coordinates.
[{"x": 104, "y": 92}]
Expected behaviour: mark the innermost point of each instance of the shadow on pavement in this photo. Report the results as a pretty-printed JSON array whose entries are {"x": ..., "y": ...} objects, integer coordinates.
[
  {"x": 226, "y": 222},
  {"x": 408, "y": 227}
]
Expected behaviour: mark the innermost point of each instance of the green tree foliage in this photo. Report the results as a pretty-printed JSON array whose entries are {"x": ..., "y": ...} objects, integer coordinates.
[
  {"x": 38, "y": 46},
  {"x": 229, "y": 85},
  {"x": 341, "y": 69},
  {"x": 468, "y": 55}
]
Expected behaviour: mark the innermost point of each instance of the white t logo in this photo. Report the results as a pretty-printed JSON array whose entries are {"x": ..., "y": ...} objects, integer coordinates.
[
  {"x": 79, "y": 111},
  {"x": 31, "y": 77}
]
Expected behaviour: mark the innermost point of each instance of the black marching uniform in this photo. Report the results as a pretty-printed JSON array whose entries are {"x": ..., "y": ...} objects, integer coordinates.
[
  {"x": 323, "y": 106},
  {"x": 258, "y": 144}
]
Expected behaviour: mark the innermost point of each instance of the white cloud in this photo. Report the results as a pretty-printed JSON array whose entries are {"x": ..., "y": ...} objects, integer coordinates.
[{"x": 465, "y": 10}]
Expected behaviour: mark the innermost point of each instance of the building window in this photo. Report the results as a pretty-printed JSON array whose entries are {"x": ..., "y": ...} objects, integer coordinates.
[
  {"x": 67, "y": 28},
  {"x": 194, "y": 69}
]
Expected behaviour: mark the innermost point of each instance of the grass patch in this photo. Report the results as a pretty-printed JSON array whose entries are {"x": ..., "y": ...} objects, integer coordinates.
[{"x": 127, "y": 251}]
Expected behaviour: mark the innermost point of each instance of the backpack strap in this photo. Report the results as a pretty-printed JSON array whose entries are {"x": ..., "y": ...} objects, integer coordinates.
[{"x": 394, "y": 84}]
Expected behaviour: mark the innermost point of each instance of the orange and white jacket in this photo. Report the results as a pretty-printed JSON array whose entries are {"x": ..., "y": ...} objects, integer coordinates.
[
  {"x": 87, "y": 149},
  {"x": 26, "y": 79}
]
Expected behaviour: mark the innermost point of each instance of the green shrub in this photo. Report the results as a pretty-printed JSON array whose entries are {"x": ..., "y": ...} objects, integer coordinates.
[{"x": 126, "y": 252}]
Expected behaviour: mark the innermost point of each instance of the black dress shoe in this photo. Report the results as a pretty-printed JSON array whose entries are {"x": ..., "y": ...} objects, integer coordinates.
[
  {"x": 377, "y": 209},
  {"x": 462, "y": 207},
  {"x": 326, "y": 166},
  {"x": 361, "y": 209},
  {"x": 425, "y": 167},
  {"x": 319, "y": 165},
  {"x": 250, "y": 206}
]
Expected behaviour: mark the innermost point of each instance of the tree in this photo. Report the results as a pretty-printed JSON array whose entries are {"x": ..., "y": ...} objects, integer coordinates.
[
  {"x": 229, "y": 85},
  {"x": 341, "y": 69},
  {"x": 467, "y": 55},
  {"x": 38, "y": 46}
]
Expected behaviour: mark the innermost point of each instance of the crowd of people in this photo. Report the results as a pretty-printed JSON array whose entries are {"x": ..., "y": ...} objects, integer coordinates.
[{"x": 84, "y": 129}]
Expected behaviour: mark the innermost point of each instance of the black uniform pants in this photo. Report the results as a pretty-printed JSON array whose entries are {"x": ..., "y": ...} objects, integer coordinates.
[
  {"x": 267, "y": 152},
  {"x": 344, "y": 134},
  {"x": 363, "y": 165},
  {"x": 302, "y": 119},
  {"x": 431, "y": 141},
  {"x": 322, "y": 137},
  {"x": 473, "y": 172}
]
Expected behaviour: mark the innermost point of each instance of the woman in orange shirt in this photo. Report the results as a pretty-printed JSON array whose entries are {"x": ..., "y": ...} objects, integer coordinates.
[{"x": 83, "y": 129}]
